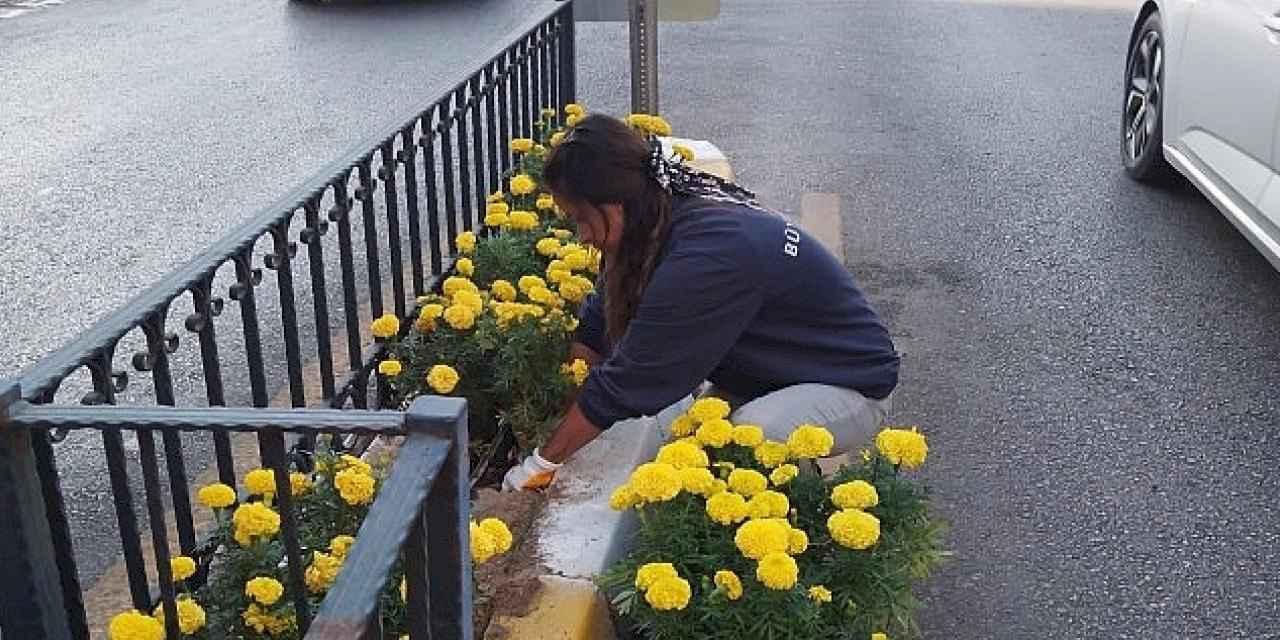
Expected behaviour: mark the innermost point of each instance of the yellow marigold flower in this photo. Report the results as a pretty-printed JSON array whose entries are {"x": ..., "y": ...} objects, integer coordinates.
[
  {"x": 649, "y": 573},
  {"x": 819, "y": 594},
  {"x": 784, "y": 474},
  {"x": 216, "y": 496},
  {"x": 726, "y": 508},
  {"x": 385, "y": 327},
  {"x": 577, "y": 260},
  {"x": 545, "y": 202},
  {"x": 547, "y": 246},
  {"x": 442, "y": 378},
  {"x": 469, "y": 299},
  {"x": 523, "y": 220},
  {"x": 683, "y": 426},
  {"x": 299, "y": 483},
  {"x": 858, "y": 494},
  {"x": 191, "y": 616},
  {"x": 639, "y": 121},
  {"x": 453, "y": 284},
  {"x": 778, "y": 571},
  {"x": 521, "y": 145},
  {"x": 523, "y": 185},
  {"x": 528, "y": 283},
  {"x": 906, "y": 447},
  {"x": 728, "y": 582},
  {"x": 322, "y": 571},
  {"x": 810, "y": 441},
  {"x": 266, "y": 591},
  {"x": 623, "y": 498},
  {"x": 498, "y": 530},
  {"x": 503, "y": 290},
  {"x": 715, "y": 433},
  {"x": 879, "y": 636},
  {"x": 182, "y": 567},
  {"x": 340, "y": 545},
  {"x": 431, "y": 311},
  {"x": 684, "y": 152},
  {"x": 498, "y": 208},
  {"x": 682, "y": 455},
  {"x": 465, "y": 266},
  {"x": 356, "y": 488},
  {"x": 549, "y": 112},
  {"x": 748, "y": 435},
  {"x": 771, "y": 454},
  {"x": 697, "y": 481},
  {"x": 569, "y": 290},
  {"x": 496, "y": 196},
  {"x": 483, "y": 546},
  {"x": 254, "y": 520},
  {"x": 573, "y": 120},
  {"x": 466, "y": 242},
  {"x": 705, "y": 409},
  {"x": 747, "y": 482},
  {"x": 578, "y": 370},
  {"x": 260, "y": 482},
  {"x": 348, "y": 461},
  {"x": 460, "y": 317},
  {"x": 854, "y": 529},
  {"x": 264, "y": 622},
  {"x": 759, "y": 538},
  {"x": 659, "y": 126},
  {"x": 669, "y": 593},
  {"x": 496, "y": 220},
  {"x": 390, "y": 368},
  {"x": 573, "y": 109},
  {"x": 557, "y": 138},
  {"x": 135, "y": 625},
  {"x": 583, "y": 283},
  {"x": 721, "y": 486},
  {"x": 562, "y": 234},
  {"x": 655, "y": 481},
  {"x": 768, "y": 504},
  {"x": 797, "y": 541},
  {"x": 545, "y": 296}
]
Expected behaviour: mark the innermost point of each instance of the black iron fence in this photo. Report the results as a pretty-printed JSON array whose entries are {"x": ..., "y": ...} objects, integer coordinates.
[{"x": 390, "y": 210}]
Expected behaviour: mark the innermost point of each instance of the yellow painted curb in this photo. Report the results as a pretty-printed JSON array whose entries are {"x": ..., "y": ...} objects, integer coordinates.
[{"x": 563, "y": 609}]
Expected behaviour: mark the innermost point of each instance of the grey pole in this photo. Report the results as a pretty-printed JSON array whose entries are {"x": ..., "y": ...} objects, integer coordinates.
[{"x": 643, "y": 16}]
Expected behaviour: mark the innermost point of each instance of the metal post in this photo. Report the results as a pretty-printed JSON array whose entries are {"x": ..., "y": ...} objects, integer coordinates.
[
  {"x": 31, "y": 604},
  {"x": 644, "y": 55}
]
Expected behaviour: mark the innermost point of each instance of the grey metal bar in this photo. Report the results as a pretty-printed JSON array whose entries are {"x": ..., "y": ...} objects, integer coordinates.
[{"x": 114, "y": 418}]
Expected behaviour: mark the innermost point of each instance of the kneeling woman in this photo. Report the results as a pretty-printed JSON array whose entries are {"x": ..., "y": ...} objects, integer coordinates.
[{"x": 699, "y": 284}]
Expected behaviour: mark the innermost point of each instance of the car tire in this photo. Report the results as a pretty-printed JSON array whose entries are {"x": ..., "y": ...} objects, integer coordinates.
[{"x": 1142, "y": 119}]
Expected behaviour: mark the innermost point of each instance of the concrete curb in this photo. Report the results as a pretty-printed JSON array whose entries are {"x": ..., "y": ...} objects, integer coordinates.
[{"x": 578, "y": 535}]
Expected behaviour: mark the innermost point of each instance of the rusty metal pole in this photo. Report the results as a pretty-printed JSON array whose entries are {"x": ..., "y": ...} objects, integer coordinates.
[{"x": 643, "y": 20}]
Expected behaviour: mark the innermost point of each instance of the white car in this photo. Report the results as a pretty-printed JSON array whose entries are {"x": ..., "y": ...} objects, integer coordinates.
[{"x": 1202, "y": 95}]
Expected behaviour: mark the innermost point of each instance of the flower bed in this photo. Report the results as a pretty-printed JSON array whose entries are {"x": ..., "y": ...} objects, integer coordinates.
[
  {"x": 245, "y": 597},
  {"x": 740, "y": 537}
]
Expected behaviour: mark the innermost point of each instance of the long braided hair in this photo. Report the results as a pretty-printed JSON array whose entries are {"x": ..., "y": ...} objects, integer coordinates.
[{"x": 602, "y": 161}]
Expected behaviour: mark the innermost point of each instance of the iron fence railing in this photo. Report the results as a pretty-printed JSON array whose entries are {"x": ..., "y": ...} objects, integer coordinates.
[{"x": 390, "y": 210}]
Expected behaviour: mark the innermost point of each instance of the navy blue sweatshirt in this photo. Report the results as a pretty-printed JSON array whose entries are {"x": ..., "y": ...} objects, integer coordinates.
[{"x": 744, "y": 299}]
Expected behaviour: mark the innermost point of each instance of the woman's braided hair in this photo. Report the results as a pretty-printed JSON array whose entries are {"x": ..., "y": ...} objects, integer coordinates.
[{"x": 601, "y": 160}]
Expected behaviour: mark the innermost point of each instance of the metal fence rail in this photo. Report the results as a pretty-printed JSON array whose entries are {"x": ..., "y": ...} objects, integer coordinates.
[{"x": 396, "y": 202}]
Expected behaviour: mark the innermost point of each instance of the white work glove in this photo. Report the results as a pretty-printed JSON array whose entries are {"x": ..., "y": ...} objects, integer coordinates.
[{"x": 534, "y": 473}]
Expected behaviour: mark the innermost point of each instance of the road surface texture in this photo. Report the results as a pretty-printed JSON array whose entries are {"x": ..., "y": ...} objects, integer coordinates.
[
  {"x": 1095, "y": 361},
  {"x": 135, "y": 133}
]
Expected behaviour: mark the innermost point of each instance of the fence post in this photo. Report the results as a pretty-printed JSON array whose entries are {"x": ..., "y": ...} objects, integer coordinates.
[
  {"x": 31, "y": 604},
  {"x": 448, "y": 515}
]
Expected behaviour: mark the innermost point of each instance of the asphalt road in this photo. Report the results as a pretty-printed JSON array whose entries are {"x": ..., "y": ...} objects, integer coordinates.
[
  {"x": 1095, "y": 361},
  {"x": 134, "y": 133}
]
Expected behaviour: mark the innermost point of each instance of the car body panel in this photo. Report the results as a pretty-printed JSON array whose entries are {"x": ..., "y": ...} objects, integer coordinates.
[{"x": 1221, "y": 109}]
